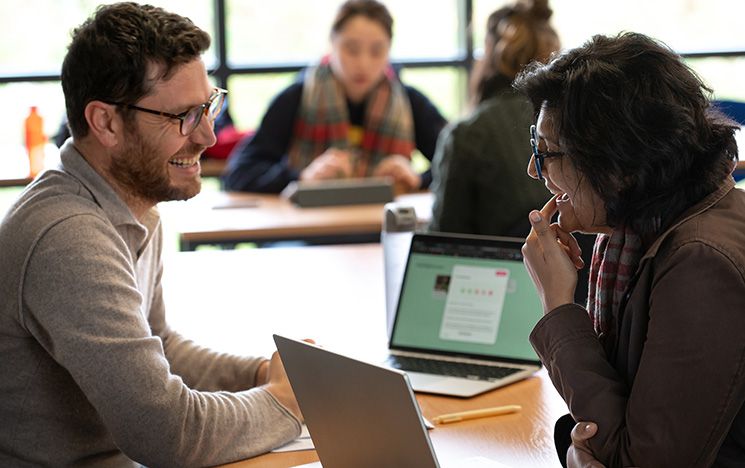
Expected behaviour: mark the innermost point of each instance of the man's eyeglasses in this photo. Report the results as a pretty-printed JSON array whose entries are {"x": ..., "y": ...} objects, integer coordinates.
[
  {"x": 190, "y": 119},
  {"x": 540, "y": 156}
]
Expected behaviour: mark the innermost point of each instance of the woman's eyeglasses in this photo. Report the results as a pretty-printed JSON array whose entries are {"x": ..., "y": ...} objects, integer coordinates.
[
  {"x": 190, "y": 119},
  {"x": 540, "y": 156}
]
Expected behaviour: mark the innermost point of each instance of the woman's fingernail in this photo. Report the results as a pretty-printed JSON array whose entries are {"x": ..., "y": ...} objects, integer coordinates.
[
  {"x": 587, "y": 427},
  {"x": 535, "y": 216}
]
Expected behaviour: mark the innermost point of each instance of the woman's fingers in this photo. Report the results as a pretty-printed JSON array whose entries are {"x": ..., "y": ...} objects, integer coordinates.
[
  {"x": 570, "y": 246},
  {"x": 549, "y": 209},
  {"x": 544, "y": 235}
]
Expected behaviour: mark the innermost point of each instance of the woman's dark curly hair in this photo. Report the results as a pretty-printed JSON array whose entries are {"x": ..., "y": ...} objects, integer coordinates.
[{"x": 638, "y": 123}]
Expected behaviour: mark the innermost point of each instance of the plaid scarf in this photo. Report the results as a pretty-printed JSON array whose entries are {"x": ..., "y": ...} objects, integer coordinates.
[
  {"x": 615, "y": 258},
  {"x": 323, "y": 122}
]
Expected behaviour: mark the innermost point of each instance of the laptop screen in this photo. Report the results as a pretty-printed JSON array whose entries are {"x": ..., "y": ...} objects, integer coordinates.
[{"x": 467, "y": 295}]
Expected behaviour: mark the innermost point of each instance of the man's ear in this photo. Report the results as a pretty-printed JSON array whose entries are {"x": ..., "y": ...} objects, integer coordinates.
[{"x": 104, "y": 123}]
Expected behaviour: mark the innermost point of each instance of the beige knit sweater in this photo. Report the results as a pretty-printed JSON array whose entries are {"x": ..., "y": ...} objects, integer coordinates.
[{"x": 90, "y": 372}]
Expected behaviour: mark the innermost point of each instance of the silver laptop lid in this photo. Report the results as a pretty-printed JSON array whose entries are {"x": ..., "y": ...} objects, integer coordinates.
[
  {"x": 358, "y": 414},
  {"x": 467, "y": 296}
]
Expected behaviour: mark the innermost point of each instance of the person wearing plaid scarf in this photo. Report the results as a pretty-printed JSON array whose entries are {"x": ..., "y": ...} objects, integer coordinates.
[
  {"x": 349, "y": 117},
  {"x": 653, "y": 368}
]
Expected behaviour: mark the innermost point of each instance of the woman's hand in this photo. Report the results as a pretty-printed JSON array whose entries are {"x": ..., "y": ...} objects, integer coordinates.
[
  {"x": 552, "y": 257},
  {"x": 332, "y": 164},
  {"x": 399, "y": 169},
  {"x": 579, "y": 454}
]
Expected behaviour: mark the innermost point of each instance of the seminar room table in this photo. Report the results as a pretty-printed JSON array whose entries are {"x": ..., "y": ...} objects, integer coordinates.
[
  {"x": 228, "y": 218},
  {"x": 234, "y": 300}
]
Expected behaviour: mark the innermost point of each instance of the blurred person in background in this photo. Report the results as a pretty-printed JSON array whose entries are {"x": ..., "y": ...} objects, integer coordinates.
[
  {"x": 348, "y": 116},
  {"x": 479, "y": 166}
]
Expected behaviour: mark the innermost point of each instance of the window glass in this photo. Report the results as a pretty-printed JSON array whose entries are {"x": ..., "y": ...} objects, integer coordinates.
[
  {"x": 426, "y": 29},
  {"x": 722, "y": 75},
  {"x": 444, "y": 86},
  {"x": 293, "y": 31},
  {"x": 690, "y": 26},
  {"x": 17, "y": 98},
  {"x": 686, "y": 26},
  {"x": 250, "y": 95},
  {"x": 34, "y": 38},
  {"x": 481, "y": 11}
]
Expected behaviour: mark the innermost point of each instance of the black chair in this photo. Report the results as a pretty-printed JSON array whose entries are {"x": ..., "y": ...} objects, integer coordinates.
[{"x": 736, "y": 111}]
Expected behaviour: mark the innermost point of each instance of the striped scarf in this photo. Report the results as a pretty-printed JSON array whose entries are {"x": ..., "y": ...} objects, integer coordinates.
[
  {"x": 615, "y": 258},
  {"x": 323, "y": 122}
]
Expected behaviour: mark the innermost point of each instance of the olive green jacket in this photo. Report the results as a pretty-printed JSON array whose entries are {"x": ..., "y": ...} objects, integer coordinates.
[{"x": 479, "y": 170}]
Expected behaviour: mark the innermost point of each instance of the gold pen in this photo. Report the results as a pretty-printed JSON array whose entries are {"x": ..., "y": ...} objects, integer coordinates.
[{"x": 473, "y": 414}]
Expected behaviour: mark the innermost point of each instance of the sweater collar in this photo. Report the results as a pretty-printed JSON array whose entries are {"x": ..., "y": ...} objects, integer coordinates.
[{"x": 104, "y": 195}]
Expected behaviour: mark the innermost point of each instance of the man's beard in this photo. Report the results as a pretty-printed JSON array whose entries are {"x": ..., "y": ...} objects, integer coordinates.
[{"x": 142, "y": 173}]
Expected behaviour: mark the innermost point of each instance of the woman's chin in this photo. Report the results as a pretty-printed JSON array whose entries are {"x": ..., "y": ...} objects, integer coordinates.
[{"x": 568, "y": 223}]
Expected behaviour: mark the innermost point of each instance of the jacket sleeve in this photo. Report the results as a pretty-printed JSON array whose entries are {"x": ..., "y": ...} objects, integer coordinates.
[
  {"x": 690, "y": 383},
  {"x": 259, "y": 163},
  {"x": 428, "y": 122},
  {"x": 94, "y": 327}
]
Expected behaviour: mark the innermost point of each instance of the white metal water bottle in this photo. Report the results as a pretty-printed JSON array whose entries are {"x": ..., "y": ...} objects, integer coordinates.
[{"x": 399, "y": 223}]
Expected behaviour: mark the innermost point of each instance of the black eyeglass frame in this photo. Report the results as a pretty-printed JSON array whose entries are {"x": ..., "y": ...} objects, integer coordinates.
[
  {"x": 201, "y": 110},
  {"x": 540, "y": 156}
]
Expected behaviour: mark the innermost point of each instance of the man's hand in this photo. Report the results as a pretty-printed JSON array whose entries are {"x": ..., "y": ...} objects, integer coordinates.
[
  {"x": 579, "y": 454},
  {"x": 332, "y": 164},
  {"x": 399, "y": 169},
  {"x": 279, "y": 386}
]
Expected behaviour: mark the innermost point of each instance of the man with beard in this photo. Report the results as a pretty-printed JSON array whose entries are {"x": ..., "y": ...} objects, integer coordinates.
[{"x": 91, "y": 373}]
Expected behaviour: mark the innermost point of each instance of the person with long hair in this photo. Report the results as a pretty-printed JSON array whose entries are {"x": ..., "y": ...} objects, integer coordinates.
[
  {"x": 629, "y": 144},
  {"x": 348, "y": 116},
  {"x": 478, "y": 168}
]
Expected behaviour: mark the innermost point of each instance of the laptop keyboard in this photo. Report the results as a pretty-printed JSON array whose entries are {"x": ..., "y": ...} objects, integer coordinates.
[{"x": 452, "y": 369}]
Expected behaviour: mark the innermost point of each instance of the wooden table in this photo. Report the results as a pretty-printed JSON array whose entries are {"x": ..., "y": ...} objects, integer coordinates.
[
  {"x": 233, "y": 217},
  {"x": 13, "y": 180},
  {"x": 234, "y": 300},
  {"x": 212, "y": 167},
  {"x": 14, "y": 168}
]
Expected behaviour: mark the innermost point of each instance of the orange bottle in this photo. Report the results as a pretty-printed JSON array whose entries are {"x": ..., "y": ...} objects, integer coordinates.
[{"x": 35, "y": 141}]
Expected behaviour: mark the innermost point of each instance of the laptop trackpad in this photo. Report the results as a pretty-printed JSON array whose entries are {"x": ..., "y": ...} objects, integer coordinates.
[{"x": 430, "y": 383}]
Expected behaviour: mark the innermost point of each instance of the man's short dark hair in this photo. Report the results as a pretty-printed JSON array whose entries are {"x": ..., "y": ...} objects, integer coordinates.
[
  {"x": 112, "y": 53},
  {"x": 638, "y": 123}
]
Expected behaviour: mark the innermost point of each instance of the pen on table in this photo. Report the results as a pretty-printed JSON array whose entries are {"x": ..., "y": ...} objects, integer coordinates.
[{"x": 473, "y": 414}]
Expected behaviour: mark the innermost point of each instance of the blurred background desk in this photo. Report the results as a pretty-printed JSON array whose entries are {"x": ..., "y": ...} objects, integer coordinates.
[
  {"x": 234, "y": 300},
  {"x": 14, "y": 170},
  {"x": 212, "y": 167},
  {"x": 8, "y": 179},
  {"x": 228, "y": 218}
]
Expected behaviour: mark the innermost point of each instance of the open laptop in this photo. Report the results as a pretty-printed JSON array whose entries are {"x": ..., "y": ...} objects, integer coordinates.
[
  {"x": 465, "y": 310},
  {"x": 359, "y": 414}
]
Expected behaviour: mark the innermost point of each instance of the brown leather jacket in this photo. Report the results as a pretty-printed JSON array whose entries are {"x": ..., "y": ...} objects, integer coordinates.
[{"x": 666, "y": 385}]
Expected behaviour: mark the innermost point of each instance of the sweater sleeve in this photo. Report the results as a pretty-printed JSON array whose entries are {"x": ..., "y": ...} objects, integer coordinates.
[
  {"x": 200, "y": 368},
  {"x": 259, "y": 163},
  {"x": 690, "y": 383},
  {"x": 83, "y": 305},
  {"x": 428, "y": 122}
]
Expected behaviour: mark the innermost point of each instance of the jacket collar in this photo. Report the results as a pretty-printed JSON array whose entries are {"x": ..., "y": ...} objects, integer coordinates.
[{"x": 706, "y": 203}]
